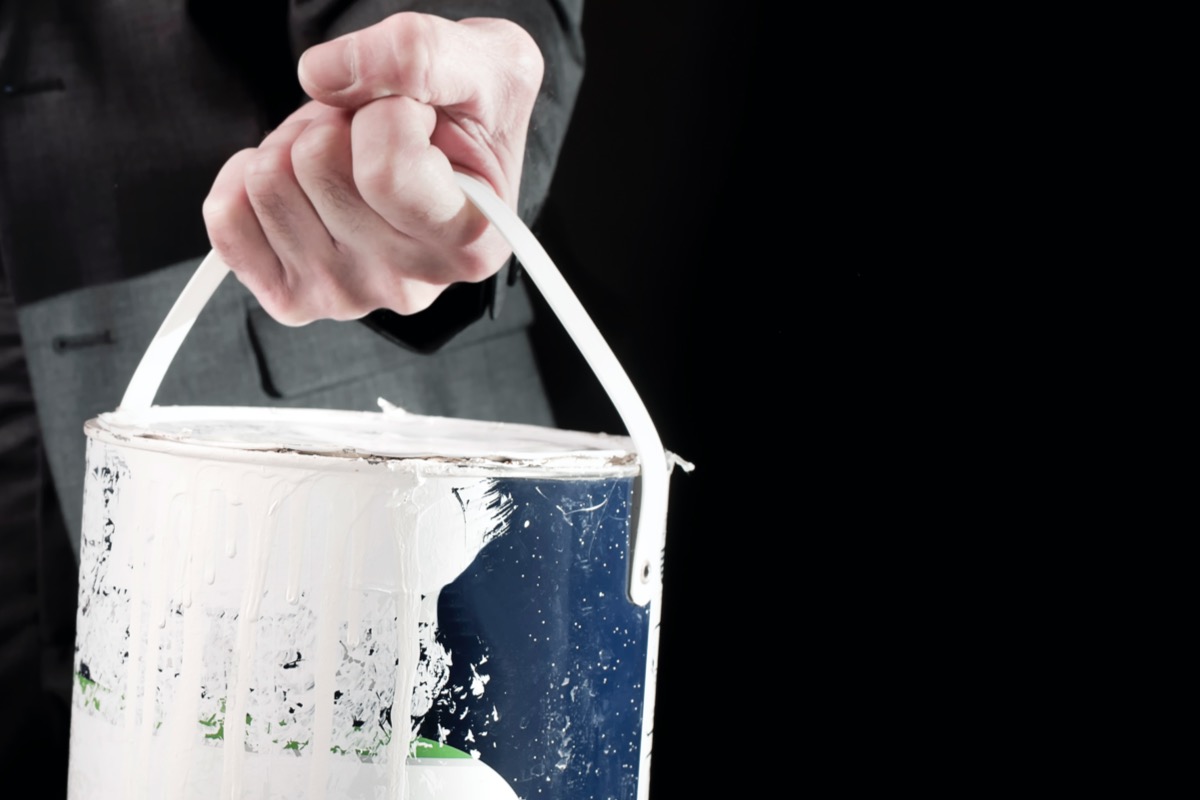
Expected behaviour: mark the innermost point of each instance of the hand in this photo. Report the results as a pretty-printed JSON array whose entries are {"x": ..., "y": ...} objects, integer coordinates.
[{"x": 350, "y": 205}]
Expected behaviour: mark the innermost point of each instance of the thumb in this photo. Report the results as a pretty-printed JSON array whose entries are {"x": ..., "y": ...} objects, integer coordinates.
[
  {"x": 423, "y": 57},
  {"x": 329, "y": 69}
]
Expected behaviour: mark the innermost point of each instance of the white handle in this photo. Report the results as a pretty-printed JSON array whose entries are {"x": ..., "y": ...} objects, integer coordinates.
[
  {"x": 139, "y": 395},
  {"x": 654, "y": 468},
  {"x": 651, "y": 520}
]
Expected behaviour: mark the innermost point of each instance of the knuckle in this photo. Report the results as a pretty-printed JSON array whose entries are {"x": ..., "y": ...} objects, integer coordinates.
[
  {"x": 284, "y": 308},
  {"x": 226, "y": 199},
  {"x": 330, "y": 296},
  {"x": 473, "y": 242},
  {"x": 314, "y": 156},
  {"x": 375, "y": 179},
  {"x": 226, "y": 238},
  {"x": 312, "y": 146},
  {"x": 323, "y": 291},
  {"x": 323, "y": 138},
  {"x": 478, "y": 234},
  {"x": 266, "y": 169},
  {"x": 525, "y": 56},
  {"x": 220, "y": 212},
  {"x": 291, "y": 316},
  {"x": 518, "y": 54},
  {"x": 269, "y": 285},
  {"x": 413, "y": 300},
  {"x": 336, "y": 195},
  {"x": 475, "y": 264},
  {"x": 409, "y": 38},
  {"x": 408, "y": 289},
  {"x": 351, "y": 312},
  {"x": 405, "y": 29}
]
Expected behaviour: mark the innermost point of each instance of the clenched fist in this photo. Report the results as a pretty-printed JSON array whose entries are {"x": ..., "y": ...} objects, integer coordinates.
[{"x": 350, "y": 205}]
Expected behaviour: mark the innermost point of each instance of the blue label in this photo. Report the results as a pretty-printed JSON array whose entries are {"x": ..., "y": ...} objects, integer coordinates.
[{"x": 547, "y": 684}]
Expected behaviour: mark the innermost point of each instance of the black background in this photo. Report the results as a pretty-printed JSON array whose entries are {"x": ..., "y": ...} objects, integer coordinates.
[{"x": 664, "y": 220}]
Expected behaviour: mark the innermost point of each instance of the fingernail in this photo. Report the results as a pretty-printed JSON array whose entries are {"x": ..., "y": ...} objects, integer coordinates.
[{"x": 330, "y": 67}]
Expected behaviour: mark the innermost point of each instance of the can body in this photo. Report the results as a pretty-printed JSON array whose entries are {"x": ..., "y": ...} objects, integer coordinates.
[{"x": 278, "y": 625}]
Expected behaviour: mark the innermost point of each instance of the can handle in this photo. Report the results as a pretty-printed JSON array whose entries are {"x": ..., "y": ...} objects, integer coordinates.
[{"x": 654, "y": 469}]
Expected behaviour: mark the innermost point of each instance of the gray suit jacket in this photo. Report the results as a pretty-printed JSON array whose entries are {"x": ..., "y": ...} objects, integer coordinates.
[
  {"x": 83, "y": 346},
  {"x": 115, "y": 116}
]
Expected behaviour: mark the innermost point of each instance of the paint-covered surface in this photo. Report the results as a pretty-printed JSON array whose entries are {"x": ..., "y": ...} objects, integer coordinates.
[
  {"x": 394, "y": 434},
  {"x": 245, "y": 628},
  {"x": 548, "y": 679}
]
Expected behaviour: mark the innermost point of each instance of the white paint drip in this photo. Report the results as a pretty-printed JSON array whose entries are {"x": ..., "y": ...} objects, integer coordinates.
[
  {"x": 409, "y": 603},
  {"x": 358, "y": 552},
  {"x": 296, "y": 541},
  {"x": 160, "y": 548},
  {"x": 197, "y": 644},
  {"x": 192, "y": 653},
  {"x": 136, "y": 643},
  {"x": 330, "y": 585},
  {"x": 213, "y": 535}
]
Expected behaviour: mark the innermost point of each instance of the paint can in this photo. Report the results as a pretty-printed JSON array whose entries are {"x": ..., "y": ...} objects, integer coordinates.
[{"x": 290, "y": 603}]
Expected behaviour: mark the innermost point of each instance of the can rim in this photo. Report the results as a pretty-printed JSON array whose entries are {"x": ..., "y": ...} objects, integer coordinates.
[{"x": 350, "y": 439}]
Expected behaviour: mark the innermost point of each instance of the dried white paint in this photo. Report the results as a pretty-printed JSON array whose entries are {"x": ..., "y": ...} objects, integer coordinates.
[
  {"x": 198, "y": 647},
  {"x": 249, "y": 617}
]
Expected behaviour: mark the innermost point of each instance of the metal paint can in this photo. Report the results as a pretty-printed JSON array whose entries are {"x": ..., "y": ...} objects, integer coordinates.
[
  {"x": 282, "y": 604},
  {"x": 259, "y": 586}
]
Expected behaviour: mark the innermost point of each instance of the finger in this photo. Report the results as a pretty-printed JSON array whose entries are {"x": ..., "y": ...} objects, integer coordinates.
[
  {"x": 324, "y": 167},
  {"x": 321, "y": 160},
  {"x": 376, "y": 257},
  {"x": 319, "y": 282},
  {"x": 426, "y": 58},
  {"x": 409, "y": 183},
  {"x": 237, "y": 236},
  {"x": 388, "y": 267},
  {"x": 309, "y": 111},
  {"x": 281, "y": 205}
]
